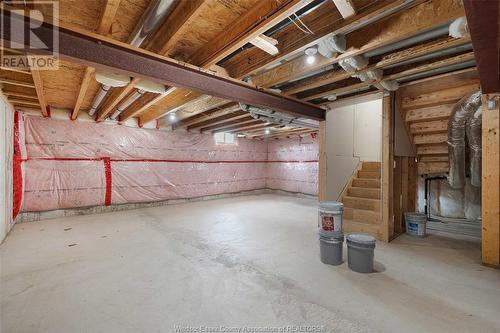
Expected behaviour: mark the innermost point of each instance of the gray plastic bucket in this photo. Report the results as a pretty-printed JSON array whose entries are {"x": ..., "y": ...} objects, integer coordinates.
[
  {"x": 330, "y": 249},
  {"x": 330, "y": 218},
  {"x": 415, "y": 224},
  {"x": 360, "y": 252}
]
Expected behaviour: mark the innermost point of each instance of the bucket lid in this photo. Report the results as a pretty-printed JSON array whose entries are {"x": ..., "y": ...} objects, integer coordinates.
[
  {"x": 415, "y": 217},
  {"x": 331, "y": 205},
  {"x": 330, "y": 234},
  {"x": 328, "y": 238},
  {"x": 362, "y": 239}
]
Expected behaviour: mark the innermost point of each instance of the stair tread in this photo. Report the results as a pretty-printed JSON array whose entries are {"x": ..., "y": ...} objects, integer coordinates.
[
  {"x": 361, "y": 188},
  {"x": 360, "y": 198}
]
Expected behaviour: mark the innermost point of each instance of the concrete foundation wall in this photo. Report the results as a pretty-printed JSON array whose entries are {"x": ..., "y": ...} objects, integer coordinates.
[{"x": 6, "y": 155}]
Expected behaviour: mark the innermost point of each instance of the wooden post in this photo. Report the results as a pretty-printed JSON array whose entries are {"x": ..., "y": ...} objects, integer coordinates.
[
  {"x": 387, "y": 168},
  {"x": 490, "y": 185},
  {"x": 322, "y": 162}
]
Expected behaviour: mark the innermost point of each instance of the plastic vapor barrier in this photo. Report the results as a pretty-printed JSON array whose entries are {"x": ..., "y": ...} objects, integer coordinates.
[
  {"x": 68, "y": 164},
  {"x": 293, "y": 165}
]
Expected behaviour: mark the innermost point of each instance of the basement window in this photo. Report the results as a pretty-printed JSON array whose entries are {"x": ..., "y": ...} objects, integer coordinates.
[{"x": 222, "y": 138}]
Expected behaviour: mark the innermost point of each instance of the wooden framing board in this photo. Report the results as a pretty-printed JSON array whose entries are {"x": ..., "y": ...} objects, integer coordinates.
[
  {"x": 37, "y": 80},
  {"x": 87, "y": 77},
  {"x": 490, "y": 186},
  {"x": 387, "y": 221},
  {"x": 322, "y": 162}
]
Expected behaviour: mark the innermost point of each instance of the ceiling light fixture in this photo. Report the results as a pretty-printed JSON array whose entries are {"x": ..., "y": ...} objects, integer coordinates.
[
  {"x": 267, "y": 131},
  {"x": 311, "y": 55},
  {"x": 172, "y": 117}
]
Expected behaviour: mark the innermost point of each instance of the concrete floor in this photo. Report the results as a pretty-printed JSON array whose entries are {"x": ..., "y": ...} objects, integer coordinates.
[{"x": 232, "y": 262}]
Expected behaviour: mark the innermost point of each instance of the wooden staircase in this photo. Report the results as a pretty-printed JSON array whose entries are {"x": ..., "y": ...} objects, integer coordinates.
[{"x": 361, "y": 198}]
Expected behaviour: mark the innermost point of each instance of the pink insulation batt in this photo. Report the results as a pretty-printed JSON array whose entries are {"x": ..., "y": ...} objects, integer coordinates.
[
  {"x": 293, "y": 165},
  {"x": 71, "y": 164}
]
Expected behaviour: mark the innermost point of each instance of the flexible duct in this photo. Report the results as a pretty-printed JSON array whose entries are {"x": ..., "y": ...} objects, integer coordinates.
[
  {"x": 459, "y": 28},
  {"x": 141, "y": 88},
  {"x": 278, "y": 118},
  {"x": 462, "y": 111},
  {"x": 328, "y": 47},
  {"x": 156, "y": 11},
  {"x": 107, "y": 80},
  {"x": 473, "y": 130},
  {"x": 353, "y": 64}
]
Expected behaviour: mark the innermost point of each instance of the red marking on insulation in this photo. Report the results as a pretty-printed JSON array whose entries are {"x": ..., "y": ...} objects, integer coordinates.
[
  {"x": 164, "y": 161},
  {"x": 107, "y": 173},
  {"x": 17, "y": 170}
]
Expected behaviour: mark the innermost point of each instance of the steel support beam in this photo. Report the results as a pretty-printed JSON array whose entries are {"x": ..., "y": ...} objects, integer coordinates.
[
  {"x": 483, "y": 19},
  {"x": 106, "y": 54}
]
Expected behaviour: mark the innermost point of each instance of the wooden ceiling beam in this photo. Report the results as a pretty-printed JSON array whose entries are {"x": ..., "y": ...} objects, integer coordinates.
[
  {"x": 230, "y": 125},
  {"x": 117, "y": 95},
  {"x": 169, "y": 33},
  {"x": 37, "y": 80},
  {"x": 433, "y": 65},
  {"x": 87, "y": 77},
  {"x": 262, "y": 17},
  {"x": 176, "y": 99},
  {"x": 387, "y": 60},
  {"x": 17, "y": 83},
  {"x": 102, "y": 53},
  {"x": 105, "y": 22},
  {"x": 137, "y": 109},
  {"x": 415, "y": 70},
  {"x": 162, "y": 41},
  {"x": 324, "y": 21},
  {"x": 22, "y": 101},
  {"x": 21, "y": 95},
  {"x": 397, "y": 27},
  {"x": 107, "y": 16},
  {"x": 13, "y": 69},
  {"x": 220, "y": 120},
  {"x": 206, "y": 112},
  {"x": 287, "y": 132},
  {"x": 244, "y": 127}
]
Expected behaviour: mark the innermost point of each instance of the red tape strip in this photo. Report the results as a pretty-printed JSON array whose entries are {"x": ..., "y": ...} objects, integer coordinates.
[
  {"x": 17, "y": 175},
  {"x": 107, "y": 173},
  {"x": 163, "y": 161}
]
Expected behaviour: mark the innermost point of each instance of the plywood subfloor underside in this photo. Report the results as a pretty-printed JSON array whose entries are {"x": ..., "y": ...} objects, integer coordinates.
[{"x": 240, "y": 261}]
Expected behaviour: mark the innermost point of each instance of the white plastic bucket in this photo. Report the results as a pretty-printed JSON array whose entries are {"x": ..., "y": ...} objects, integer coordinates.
[
  {"x": 416, "y": 224},
  {"x": 330, "y": 217}
]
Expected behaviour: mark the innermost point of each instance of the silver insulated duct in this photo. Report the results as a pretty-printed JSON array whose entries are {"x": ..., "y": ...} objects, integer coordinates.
[
  {"x": 473, "y": 130},
  {"x": 278, "y": 118},
  {"x": 461, "y": 112}
]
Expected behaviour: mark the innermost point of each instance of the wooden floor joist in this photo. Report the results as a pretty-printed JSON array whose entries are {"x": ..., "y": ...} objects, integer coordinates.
[
  {"x": 391, "y": 30},
  {"x": 37, "y": 80}
]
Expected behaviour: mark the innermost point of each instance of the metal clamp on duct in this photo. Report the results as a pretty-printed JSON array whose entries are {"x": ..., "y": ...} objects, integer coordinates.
[
  {"x": 461, "y": 112},
  {"x": 278, "y": 118}
]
